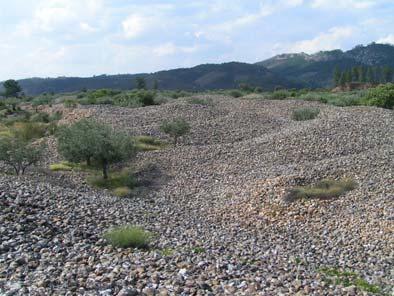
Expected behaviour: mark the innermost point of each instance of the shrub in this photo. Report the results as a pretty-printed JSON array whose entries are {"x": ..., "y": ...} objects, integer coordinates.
[
  {"x": 280, "y": 95},
  {"x": 236, "y": 93},
  {"x": 63, "y": 166},
  {"x": 381, "y": 96},
  {"x": 305, "y": 114},
  {"x": 88, "y": 139},
  {"x": 55, "y": 116},
  {"x": 70, "y": 103},
  {"x": 28, "y": 130},
  {"x": 128, "y": 236},
  {"x": 147, "y": 143},
  {"x": 324, "y": 189},
  {"x": 19, "y": 154},
  {"x": 200, "y": 101},
  {"x": 40, "y": 117},
  {"x": 116, "y": 180},
  {"x": 175, "y": 128},
  {"x": 122, "y": 191}
]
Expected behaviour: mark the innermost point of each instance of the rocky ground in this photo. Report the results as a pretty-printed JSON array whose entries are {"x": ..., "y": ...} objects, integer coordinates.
[{"x": 216, "y": 208}]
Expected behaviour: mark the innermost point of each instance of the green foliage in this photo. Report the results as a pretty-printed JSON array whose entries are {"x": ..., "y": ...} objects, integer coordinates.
[
  {"x": 147, "y": 143},
  {"x": 306, "y": 113},
  {"x": 349, "y": 278},
  {"x": 70, "y": 103},
  {"x": 40, "y": 101},
  {"x": 175, "y": 128},
  {"x": 280, "y": 95},
  {"x": 200, "y": 101},
  {"x": 88, "y": 139},
  {"x": 325, "y": 189},
  {"x": 19, "y": 154},
  {"x": 63, "y": 166},
  {"x": 122, "y": 191},
  {"x": 116, "y": 180},
  {"x": 135, "y": 98},
  {"x": 128, "y": 236},
  {"x": 236, "y": 93},
  {"x": 140, "y": 83},
  {"x": 12, "y": 88},
  {"x": 40, "y": 117},
  {"x": 381, "y": 96},
  {"x": 28, "y": 131}
]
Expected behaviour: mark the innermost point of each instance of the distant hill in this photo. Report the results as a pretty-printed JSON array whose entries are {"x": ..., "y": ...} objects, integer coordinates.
[
  {"x": 316, "y": 70},
  {"x": 294, "y": 70}
]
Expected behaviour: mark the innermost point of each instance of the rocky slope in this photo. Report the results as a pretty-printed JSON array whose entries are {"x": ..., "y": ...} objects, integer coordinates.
[{"x": 215, "y": 207}]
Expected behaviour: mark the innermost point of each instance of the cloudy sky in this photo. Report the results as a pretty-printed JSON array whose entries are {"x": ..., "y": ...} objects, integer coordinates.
[{"x": 50, "y": 38}]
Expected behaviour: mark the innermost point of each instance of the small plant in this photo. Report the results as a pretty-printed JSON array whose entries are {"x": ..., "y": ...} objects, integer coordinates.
[
  {"x": 122, "y": 191},
  {"x": 70, "y": 103},
  {"x": 302, "y": 114},
  {"x": 116, "y": 180},
  {"x": 200, "y": 101},
  {"x": 167, "y": 252},
  {"x": 175, "y": 128},
  {"x": 63, "y": 166},
  {"x": 324, "y": 189},
  {"x": 236, "y": 93},
  {"x": 40, "y": 117},
  {"x": 198, "y": 250},
  {"x": 128, "y": 236},
  {"x": 147, "y": 143},
  {"x": 349, "y": 278}
]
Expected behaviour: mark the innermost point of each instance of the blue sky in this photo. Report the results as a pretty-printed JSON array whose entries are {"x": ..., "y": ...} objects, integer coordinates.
[{"x": 50, "y": 38}]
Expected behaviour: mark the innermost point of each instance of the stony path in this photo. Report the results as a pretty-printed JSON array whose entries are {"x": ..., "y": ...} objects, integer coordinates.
[{"x": 220, "y": 223}]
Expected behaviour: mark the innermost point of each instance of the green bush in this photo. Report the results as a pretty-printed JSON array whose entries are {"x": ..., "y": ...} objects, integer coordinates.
[
  {"x": 175, "y": 128},
  {"x": 116, "y": 180},
  {"x": 307, "y": 113},
  {"x": 381, "y": 96},
  {"x": 200, "y": 101},
  {"x": 29, "y": 130},
  {"x": 128, "y": 236},
  {"x": 325, "y": 189},
  {"x": 40, "y": 117},
  {"x": 147, "y": 143},
  {"x": 19, "y": 153},
  {"x": 60, "y": 167},
  {"x": 122, "y": 191},
  {"x": 70, "y": 103},
  {"x": 236, "y": 93},
  {"x": 280, "y": 95}
]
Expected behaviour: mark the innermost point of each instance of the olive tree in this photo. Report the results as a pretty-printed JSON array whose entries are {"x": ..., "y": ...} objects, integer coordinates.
[
  {"x": 19, "y": 153},
  {"x": 88, "y": 140},
  {"x": 175, "y": 128}
]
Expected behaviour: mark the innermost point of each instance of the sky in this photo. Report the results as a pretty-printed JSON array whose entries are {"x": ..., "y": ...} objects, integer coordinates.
[{"x": 51, "y": 38}]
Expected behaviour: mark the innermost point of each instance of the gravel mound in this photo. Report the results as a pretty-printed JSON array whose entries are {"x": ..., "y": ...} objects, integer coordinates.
[{"x": 216, "y": 208}]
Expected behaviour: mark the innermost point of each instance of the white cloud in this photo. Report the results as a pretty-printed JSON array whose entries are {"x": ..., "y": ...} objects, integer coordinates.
[
  {"x": 171, "y": 49},
  {"x": 340, "y": 4},
  {"x": 388, "y": 39},
  {"x": 134, "y": 25},
  {"x": 324, "y": 41}
]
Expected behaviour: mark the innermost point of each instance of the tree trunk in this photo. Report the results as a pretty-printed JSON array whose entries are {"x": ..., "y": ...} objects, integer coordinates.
[
  {"x": 88, "y": 162},
  {"x": 105, "y": 170}
]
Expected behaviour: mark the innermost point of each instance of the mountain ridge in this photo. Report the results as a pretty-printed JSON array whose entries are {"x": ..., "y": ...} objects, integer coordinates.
[{"x": 288, "y": 70}]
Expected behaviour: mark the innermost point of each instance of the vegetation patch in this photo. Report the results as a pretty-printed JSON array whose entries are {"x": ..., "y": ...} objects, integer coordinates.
[
  {"x": 114, "y": 181},
  {"x": 381, "y": 96},
  {"x": 200, "y": 101},
  {"x": 307, "y": 113},
  {"x": 348, "y": 278},
  {"x": 63, "y": 166},
  {"x": 122, "y": 191},
  {"x": 176, "y": 128},
  {"x": 147, "y": 143},
  {"x": 325, "y": 189},
  {"x": 128, "y": 236}
]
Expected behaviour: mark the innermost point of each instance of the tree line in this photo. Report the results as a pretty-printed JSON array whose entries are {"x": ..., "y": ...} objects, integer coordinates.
[{"x": 362, "y": 74}]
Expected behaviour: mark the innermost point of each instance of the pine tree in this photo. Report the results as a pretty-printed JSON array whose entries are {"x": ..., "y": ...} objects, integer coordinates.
[
  {"x": 348, "y": 76},
  {"x": 387, "y": 74},
  {"x": 361, "y": 74},
  {"x": 342, "y": 80}
]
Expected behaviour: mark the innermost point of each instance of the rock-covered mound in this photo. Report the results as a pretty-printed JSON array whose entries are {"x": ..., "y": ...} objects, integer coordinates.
[{"x": 217, "y": 211}]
